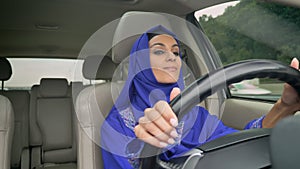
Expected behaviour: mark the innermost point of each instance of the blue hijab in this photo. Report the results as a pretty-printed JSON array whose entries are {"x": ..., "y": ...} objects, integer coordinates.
[{"x": 141, "y": 89}]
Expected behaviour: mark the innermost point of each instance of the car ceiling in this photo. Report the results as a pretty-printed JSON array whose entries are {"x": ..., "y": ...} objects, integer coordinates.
[{"x": 59, "y": 28}]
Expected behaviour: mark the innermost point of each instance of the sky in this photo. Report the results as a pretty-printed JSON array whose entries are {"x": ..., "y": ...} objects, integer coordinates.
[{"x": 215, "y": 10}]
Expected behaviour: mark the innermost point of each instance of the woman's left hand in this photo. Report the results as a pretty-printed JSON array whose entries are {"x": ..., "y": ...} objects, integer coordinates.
[
  {"x": 287, "y": 105},
  {"x": 289, "y": 95}
]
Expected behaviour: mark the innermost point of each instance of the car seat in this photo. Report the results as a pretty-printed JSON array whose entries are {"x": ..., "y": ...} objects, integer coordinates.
[
  {"x": 52, "y": 128},
  {"x": 94, "y": 102},
  {"x": 92, "y": 106},
  {"x": 6, "y": 118}
]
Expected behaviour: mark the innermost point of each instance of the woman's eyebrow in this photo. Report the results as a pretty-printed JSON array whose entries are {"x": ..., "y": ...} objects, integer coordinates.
[
  {"x": 175, "y": 45},
  {"x": 161, "y": 44}
]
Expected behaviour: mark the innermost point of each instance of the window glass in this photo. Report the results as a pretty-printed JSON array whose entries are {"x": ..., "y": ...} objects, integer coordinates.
[
  {"x": 245, "y": 29},
  {"x": 28, "y": 71}
]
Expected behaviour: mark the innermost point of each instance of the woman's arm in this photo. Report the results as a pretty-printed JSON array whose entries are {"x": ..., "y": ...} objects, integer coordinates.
[
  {"x": 287, "y": 105},
  {"x": 119, "y": 146}
]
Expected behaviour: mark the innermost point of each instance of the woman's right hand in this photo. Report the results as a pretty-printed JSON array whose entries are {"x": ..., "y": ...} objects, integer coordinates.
[{"x": 157, "y": 126}]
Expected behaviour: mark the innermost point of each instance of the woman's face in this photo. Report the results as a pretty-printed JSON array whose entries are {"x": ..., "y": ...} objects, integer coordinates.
[{"x": 164, "y": 58}]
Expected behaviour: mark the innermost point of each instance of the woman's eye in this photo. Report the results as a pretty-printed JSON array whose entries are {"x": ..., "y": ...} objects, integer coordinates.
[
  {"x": 159, "y": 52},
  {"x": 176, "y": 53}
]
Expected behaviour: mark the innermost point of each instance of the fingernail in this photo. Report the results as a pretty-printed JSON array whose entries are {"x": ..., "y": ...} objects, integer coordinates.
[
  {"x": 174, "y": 133},
  {"x": 171, "y": 141},
  {"x": 163, "y": 144},
  {"x": 176, "y": 88},
  {"x": 173, "y": 122}
]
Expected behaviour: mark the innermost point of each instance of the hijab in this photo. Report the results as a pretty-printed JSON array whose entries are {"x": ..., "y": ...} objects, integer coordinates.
[{"x": 141, "y": 89}]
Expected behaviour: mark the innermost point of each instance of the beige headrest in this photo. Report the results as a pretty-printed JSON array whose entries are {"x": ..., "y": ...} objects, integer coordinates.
[
  {"x": 98, "y": 67},
  {"x": 53, "y": 87},
  {"x": 5, "y": 69},
  {"x": 132, "y": 25}
]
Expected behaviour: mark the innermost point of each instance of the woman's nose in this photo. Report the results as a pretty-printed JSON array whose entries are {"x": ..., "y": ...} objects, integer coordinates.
[{"x": 171, "y": 56}]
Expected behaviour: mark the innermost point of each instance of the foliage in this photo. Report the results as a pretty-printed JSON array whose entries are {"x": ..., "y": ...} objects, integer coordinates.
[{"x": 253, "y": 29}]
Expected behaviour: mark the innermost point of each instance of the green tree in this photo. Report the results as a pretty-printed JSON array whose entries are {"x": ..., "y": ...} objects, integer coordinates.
[{"x": 254, "y": 29}]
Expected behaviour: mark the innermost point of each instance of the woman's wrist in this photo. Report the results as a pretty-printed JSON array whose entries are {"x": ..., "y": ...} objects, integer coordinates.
[{"x": 278, "y": 111}]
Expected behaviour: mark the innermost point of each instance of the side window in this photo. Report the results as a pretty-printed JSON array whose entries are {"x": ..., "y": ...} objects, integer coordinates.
[{"x": 245, "y": 29}]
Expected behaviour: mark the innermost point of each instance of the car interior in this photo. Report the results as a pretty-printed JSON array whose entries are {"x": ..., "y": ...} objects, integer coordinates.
[{"x": 56, "y": 123}]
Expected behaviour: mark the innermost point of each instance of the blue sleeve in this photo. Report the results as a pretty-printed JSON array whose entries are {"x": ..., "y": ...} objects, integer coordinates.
[
  {"x": 118, "y": 144},
  {"x": 199, "y": 128},
  {"x": 113, "y": 161},
  {"x": 256, "y": 123}
]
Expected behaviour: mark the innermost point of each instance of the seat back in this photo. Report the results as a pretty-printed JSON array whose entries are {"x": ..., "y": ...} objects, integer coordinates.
[
  {"x": 52, "y": 132},
  {"x": 6, "y": 117},
  {"x": 20, "y": 102},
  {"x": 6, "y": 131},
  {"x": 20, "y": 143},
  {"x": 92, "y": 106}
]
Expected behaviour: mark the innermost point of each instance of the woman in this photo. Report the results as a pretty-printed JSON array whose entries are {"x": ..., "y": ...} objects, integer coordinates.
[{"x": 142, "y": 111}]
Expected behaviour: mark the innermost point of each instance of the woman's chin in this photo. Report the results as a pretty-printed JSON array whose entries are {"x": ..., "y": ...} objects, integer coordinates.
[{"x": 167, "y": 80}]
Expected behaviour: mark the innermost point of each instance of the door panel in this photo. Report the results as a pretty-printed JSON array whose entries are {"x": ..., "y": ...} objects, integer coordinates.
[{"x": 238, "y": 112}]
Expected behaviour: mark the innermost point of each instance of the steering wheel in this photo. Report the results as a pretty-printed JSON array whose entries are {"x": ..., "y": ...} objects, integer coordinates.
[{"x": 214, "y": 81}]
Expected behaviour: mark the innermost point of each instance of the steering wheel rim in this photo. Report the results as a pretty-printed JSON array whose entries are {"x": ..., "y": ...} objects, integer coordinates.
[
  {"x": 214, "y": 81},
  {"x": 203, "y": 87}
]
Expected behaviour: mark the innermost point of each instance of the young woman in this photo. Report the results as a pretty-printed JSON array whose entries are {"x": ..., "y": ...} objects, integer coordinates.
[{"x": 142, "y": 113}]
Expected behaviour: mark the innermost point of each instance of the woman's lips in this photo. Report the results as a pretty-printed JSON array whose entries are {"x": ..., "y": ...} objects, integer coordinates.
[{"x": 171, "y": 68}]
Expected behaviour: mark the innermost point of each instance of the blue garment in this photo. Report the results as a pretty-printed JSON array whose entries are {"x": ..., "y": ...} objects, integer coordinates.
[{"x": 120, "y": 147}]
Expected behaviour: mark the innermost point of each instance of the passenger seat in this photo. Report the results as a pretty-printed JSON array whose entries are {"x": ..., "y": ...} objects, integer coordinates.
[
  {"x": 6, "y": 118},
  {"x": 20, "y": 144},
  {"x": 6, "y": 131},
  {"x": 92, "y": 106},
  {"x": 52, "y": 129}
]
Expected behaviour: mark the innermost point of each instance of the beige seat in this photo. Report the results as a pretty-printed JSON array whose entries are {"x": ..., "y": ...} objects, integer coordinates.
[
  {"x": 52, "y": 129},
  {"x": 6, "y": 118},
  {"x": 20, "y": 143},
  {"x": 94, "y": 102},
  {"x": 6, "y": 131},
  {"x": 92, "y": 106},
  {"x": 20, "y": 102}
]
